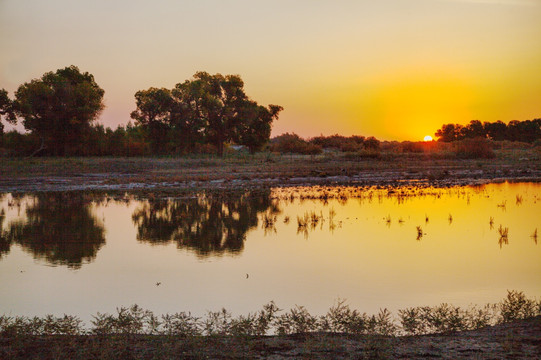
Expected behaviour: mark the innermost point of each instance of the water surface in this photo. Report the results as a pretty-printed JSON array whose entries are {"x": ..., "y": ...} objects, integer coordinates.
[{"x": 79, "y": 254}]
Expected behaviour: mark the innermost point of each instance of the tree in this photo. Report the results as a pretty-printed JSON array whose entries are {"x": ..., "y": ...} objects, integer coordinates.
[
  {"x": 154, "y": 107},
  {"x": 59, "y": 107},
  {"x": 473, "y": 130},
  {"x": 6, "y": 110},
  {"x": 496, "y": 131},
  {"x": 219, "y": 105},
  {"x": 450, "y": 132},
  {"x": 255, "y": 126}
]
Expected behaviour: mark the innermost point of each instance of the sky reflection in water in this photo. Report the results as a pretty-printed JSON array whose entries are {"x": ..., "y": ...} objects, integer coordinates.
[{"x": 80, "y": 254}]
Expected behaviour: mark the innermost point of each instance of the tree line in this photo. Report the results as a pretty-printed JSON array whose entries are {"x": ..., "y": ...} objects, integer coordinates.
[
  {"x": 206, "y": 112},
  {"x": 524, "y": 131},
  {"x": 199, "y": 115}
]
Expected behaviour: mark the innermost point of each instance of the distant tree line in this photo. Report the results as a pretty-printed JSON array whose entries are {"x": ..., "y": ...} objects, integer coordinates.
[
  {"x": 293, "y": 143},
  {"x": 525, "y": 131},
  {"x": 200, "y": 114}
]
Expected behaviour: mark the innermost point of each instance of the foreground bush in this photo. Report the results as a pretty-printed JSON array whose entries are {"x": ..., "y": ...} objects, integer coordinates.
[{"x": 339, "y": 319}]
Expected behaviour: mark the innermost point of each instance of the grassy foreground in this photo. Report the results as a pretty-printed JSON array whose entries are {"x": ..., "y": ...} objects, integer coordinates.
[{"x": 511, "y": 327}]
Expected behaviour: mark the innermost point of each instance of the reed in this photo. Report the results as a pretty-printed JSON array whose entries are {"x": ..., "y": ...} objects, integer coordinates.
[{"x": 504, "y": 238}]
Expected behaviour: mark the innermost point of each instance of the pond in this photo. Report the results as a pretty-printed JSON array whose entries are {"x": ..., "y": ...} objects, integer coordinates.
[{"x": 79, "y": 254}]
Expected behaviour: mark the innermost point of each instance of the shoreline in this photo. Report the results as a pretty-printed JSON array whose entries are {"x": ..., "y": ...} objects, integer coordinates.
[
  {"x": 193, "y": 174},
  {"x": 520, "y": 339}
]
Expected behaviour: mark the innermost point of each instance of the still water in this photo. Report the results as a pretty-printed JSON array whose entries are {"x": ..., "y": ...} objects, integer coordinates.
[{"x": 79, "y": 254}]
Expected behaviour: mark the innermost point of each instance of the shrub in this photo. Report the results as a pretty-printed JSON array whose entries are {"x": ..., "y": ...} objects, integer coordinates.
[
  {"x": 371, "y": 143},
  {"x": 474, "y": 149},
  {"x": 412, "y": 147},
  {"x": 516, "y": 306},
  {"x": 292, "y": 143}
]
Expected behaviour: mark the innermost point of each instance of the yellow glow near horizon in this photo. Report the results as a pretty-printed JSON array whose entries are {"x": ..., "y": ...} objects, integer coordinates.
[
  {"x": 428, "y": 138},
  {"x": 395, "y": 69}
]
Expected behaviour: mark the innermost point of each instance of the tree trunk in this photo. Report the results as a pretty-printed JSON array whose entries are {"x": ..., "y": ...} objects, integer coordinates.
[
  {"x": 41, "y": 147},
  {"x": 220, "y": 148}
]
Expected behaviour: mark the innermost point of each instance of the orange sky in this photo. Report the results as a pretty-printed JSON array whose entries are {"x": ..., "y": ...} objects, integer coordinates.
[{"x": 394, "y": 69}]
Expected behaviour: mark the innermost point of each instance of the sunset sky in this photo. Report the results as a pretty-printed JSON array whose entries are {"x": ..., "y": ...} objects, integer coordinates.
[{"x": 394, "y": 69}]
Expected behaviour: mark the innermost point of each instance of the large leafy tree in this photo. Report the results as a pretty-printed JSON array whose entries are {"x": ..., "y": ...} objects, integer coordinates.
[
  {"x": 59, "y": 107},
  {"x": 255, "y": 125},
  {"x": 6, "y": 110},
  {"x": 219, "y": 105},
  {"x": 153, "y": 113}
]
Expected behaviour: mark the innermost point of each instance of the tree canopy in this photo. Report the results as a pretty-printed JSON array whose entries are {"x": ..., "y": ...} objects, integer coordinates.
[
  {"x": 214, "y": 108},
  {"x": 6, "y": 110},
  {"x": 59, "y": 107},
  {"x": 525, "y": 131}
]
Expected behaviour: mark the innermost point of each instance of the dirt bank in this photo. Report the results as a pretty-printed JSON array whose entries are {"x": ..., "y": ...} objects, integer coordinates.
[{"x": 516, "y": 340}]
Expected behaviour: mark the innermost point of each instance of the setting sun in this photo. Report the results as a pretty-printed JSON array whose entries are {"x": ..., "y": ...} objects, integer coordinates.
[{"x": 428, "y": 138}]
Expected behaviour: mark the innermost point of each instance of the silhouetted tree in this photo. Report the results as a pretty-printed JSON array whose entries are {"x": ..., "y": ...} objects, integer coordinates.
[
  {"x": 217, "y": 103},
  {"x": 59, "y": 107},
  {"x": 154, "y": 107},
  {"x": 60, "y": 228},
  {"x": 255, "y": 126},
  {"x": 474, "y": 129},
  {"x": 7, "y": 110},
  {"x": 449, "y": 132},
  {"x": 496, "y": 131}
]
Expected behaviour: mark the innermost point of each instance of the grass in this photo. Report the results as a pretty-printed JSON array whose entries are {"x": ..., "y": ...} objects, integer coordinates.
[{"x": 340, "y": 318}]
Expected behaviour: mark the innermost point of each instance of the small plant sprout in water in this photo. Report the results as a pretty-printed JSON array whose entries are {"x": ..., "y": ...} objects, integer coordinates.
[
  {"x": 502, "y": 205},
  {"x": 332, "y": 224},
  {"x": 269, "y": 223},
  {"x": 504, "y": 232},
  {"x": 450, "y": 218},
  {"x": 286, "y": 220},
  {"x": 401, "y": 221},
  {"x": 419, "y": 233},
  {"x": 491, "y": 223},
  {"x": 426, "y": 219},
  {"x": 388, "y": 220},
  {"x": 534, "y": 236},
  {"x": 519, "y": 199}
]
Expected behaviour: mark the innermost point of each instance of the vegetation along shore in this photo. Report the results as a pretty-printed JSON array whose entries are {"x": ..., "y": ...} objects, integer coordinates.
[{"x": 508, "y": 329}]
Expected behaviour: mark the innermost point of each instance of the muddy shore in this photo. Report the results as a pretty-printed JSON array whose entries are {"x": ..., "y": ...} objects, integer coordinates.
[
  {"x": 515, "y": 340},
  {"x": 185, "y": 174}
]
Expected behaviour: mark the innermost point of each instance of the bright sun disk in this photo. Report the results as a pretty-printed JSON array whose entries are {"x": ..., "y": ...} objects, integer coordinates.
[{"x": 428, "y": 138}]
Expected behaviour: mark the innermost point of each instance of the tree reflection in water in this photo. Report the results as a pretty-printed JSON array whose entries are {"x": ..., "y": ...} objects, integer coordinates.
[
  {"x": 59, "y": 228},
  {"x": 5, "y": 243},
  {"x": 208, "y": 224}
]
